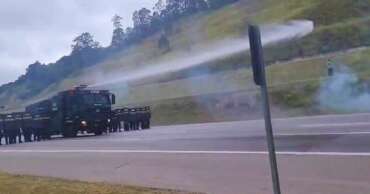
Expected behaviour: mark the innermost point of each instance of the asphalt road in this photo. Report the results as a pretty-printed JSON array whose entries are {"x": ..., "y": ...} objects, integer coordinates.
[{"x": 324, "y": 154}]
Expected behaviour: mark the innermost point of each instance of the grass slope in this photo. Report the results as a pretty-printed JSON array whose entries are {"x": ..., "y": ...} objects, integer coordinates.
[
  {"x": 14, "y": 184},
  {"x": 293, "y": 87}
]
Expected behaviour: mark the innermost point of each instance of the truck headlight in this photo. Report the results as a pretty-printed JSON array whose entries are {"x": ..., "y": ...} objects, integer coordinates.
[
  {"x": 84, "y": 123},
  {"x": 108, "y": 120}
]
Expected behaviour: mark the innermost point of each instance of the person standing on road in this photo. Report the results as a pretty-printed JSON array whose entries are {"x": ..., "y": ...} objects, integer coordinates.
[
  {"x": 1, "y": 135},
  {"x": 12, "y": 135},
  {"x": 19, "y": 135},
  {"x": 7, "y": 136},
  {"x": 27, "y": 133},
  {"x": 37, "y": 134}
]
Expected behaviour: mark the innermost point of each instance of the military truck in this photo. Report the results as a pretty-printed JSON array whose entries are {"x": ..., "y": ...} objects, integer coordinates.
[
  {"x": 73, "y": 111},
  {"x": 80, "y": 109}
]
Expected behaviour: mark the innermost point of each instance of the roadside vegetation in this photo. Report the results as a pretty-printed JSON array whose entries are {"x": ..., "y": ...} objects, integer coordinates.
[{"x": 16, "y": 184}]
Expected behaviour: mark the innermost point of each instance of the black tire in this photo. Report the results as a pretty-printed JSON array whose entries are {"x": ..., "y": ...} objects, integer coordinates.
[
  {"x": 98, "y": 132},
  {"x": 69, "y": 132},
  {"x": 101, "y": 129}
]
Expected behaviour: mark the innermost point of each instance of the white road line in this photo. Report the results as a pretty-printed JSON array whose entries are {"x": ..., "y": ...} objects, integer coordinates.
[
  {"x": 317, "y": 117},
  {"x": 324, "y": 133},
  {"x": 325, "y": 116},
  {"x": 190, "y": 152},
  {"x": 336, "y": 124}
]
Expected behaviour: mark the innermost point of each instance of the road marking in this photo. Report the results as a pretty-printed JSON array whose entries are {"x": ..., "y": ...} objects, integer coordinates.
[
  {"x": 325, "y": 116},
  {"x": 336, "y": 124},
  {"x": 191, "y": 152},
  {"x": 324, "y": 133},
  {"x": 299, "y": 118}
]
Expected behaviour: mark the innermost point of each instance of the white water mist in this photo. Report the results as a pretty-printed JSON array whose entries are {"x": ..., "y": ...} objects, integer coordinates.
[
  {"x": 344, "y": 92},
  {"x": 270, "y": 34}
]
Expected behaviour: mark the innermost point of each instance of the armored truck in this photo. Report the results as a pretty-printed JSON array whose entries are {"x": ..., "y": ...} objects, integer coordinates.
[
  {"x": 73, "y": 111},
  {"x": 78, "y": 110}
]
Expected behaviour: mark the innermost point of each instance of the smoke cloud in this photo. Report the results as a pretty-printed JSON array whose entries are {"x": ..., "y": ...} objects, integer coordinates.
[{"x": 344, "y": 92}]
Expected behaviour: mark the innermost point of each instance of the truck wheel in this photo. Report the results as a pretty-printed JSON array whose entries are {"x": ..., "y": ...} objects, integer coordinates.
[
  {"x": 98, "y": 132},
  {"x": 69, "y": 132}
]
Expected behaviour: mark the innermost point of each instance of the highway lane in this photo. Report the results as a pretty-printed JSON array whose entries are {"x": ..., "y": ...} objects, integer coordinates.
[{"x": 324, "y": 154}]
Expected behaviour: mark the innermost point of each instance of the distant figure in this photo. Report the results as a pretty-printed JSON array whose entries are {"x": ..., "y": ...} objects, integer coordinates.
[
  {"x": 1, "y": 136},
  {"x": 19, "y": 135},
  {"x": 330, "y": 67}
]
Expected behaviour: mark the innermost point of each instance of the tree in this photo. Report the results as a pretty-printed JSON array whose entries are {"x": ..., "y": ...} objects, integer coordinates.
[
  {"x": 39, "y": 72},
  {"x": 173, "y": 10},
  {"x": 142, "y": 17},
  {"x": 35, "y": 69},
  {"x": 86, "y": 51},
  {"x": 176, "y": 9},
  {"x": 83, "y": 42},
  {"x": 118, "y": 37},
  {"x": 159, "y": 6},
  {"x": 117, "y": 21},
  {"x": 165, "y": 14},
  {"x": 129, "y": 30},
  {"x": 156, "y": 22},
  {"x": 142, "y": 23},
  {"x": 189, "y": 7}
]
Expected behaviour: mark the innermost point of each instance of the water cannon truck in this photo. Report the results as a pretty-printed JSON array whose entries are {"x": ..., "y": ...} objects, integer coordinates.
[{"x": 78, "y": 110}]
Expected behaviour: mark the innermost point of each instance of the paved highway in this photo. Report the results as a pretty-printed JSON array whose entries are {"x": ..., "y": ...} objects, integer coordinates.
[{"x": 323, "y": 154}]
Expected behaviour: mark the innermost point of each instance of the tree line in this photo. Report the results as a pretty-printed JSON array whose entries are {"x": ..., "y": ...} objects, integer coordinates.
[
  {"x": 160, "y": 18},
  {"x": 87, "y": 52}
]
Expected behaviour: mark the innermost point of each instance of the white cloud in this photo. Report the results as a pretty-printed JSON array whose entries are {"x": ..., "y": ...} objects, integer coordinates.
[{"x": 44, "y": 29}]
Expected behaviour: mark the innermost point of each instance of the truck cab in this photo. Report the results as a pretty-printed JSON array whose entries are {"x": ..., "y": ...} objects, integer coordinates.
[
  {"x": 86, "y": 110},
  {"x": 77, "y": 110}
]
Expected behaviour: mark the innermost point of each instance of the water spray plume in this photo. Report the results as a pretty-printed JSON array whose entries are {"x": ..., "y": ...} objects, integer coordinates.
[
  {"x": 344, "y": 92},
  {"x": 270, "y": 34},
  {"x": 200, "y": 55}
]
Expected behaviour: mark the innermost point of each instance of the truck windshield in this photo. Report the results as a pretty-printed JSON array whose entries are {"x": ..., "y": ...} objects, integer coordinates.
[{"x": 94, "y": 99}]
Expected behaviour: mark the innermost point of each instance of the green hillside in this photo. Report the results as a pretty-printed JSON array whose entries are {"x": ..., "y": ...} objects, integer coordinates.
[{"x": 222, "y": 89}]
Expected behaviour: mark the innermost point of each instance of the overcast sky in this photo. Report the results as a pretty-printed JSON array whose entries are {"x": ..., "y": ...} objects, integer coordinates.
[{"x": 43, "y": 30}]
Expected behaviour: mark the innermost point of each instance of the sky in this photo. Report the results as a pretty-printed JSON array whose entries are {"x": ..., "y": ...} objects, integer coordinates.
[{"x": 43, "y": 30}]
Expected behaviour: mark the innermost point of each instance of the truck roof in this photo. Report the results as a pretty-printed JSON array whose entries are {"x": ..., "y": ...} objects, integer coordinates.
[{"x": 84, "y": 91}]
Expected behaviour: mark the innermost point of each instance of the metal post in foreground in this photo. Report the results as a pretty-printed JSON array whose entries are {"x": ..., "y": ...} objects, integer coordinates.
[{"x": 260, "y": 79}]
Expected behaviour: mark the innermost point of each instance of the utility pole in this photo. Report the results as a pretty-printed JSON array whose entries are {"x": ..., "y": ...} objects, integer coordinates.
[{"x": 259, "y": 73}]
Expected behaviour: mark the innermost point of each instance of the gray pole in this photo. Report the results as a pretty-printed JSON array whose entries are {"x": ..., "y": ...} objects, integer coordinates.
[
  {"x": 269, "y": 134},
  {"x": 260, "y": 79}
]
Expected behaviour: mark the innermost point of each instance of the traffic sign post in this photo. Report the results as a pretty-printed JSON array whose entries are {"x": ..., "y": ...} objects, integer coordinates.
[{"x": 260, "y": 79}]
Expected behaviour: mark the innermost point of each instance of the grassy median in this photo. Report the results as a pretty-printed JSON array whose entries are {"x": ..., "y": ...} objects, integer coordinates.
[{"x": 16, "y": 184}]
